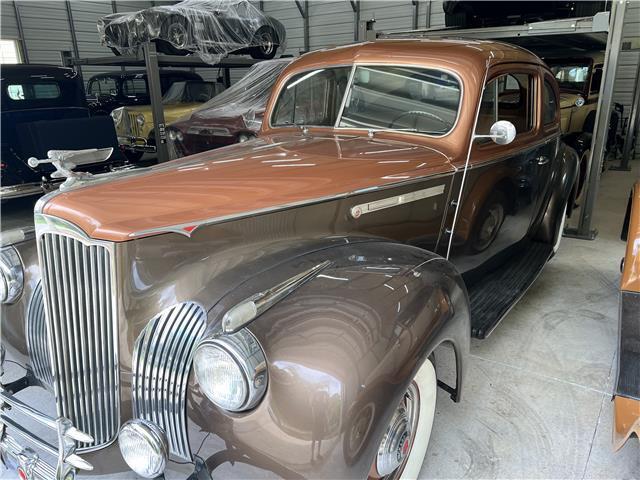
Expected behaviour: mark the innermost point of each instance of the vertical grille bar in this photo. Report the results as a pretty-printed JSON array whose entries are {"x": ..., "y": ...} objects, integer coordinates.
[
  {"x": 37, "y": 339},
  {"x": 77, "y": 288},
  {"x": 162, "y": 358}
]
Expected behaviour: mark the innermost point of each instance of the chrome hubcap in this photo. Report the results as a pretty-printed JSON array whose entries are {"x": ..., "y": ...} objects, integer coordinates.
[
  {"x": 398, "y": 439},
  {"x": 490, "y": 226},
  {"x": 178, "y": 35}
]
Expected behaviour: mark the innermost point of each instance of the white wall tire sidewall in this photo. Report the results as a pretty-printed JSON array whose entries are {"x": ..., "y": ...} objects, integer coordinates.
[
  {"x": 427, "y": 386},
  {"x": 561, "y": 229}
]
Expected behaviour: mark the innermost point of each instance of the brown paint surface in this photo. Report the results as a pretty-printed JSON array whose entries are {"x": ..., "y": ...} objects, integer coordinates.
[
  {"x": 631, "y": 273},
  {"x": 626, "y": 413}
]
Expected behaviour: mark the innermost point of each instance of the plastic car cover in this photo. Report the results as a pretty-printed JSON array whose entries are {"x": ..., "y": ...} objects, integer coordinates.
[
  {"x": 210, "y": 28},
  {"x": 246, "y": 98}
]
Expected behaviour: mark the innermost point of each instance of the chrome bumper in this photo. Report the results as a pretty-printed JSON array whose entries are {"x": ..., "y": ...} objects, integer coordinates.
[
  {"x": 17, "y": 455},
  {"x": 138, "y": 144}
]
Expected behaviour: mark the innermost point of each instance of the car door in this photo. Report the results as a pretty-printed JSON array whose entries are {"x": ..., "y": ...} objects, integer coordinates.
[{"x": 503, "y": 183}]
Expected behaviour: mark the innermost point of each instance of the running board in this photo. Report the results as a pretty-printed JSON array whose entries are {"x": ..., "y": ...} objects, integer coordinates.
[{"x": 493, "y": 294}]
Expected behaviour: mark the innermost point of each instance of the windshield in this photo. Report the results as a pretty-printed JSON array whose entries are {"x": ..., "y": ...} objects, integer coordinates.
[
  {"x": 380, "y": 98},
  {"x": 190, "y": 92},
  {"x": 571, "y": 77}
]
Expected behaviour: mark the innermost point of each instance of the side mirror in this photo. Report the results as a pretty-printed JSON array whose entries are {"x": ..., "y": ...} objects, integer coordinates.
[{"x": 502, "y": 132}]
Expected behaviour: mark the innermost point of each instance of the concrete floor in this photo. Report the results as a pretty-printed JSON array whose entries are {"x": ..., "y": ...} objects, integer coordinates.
[{"x": 537, "y": 399}]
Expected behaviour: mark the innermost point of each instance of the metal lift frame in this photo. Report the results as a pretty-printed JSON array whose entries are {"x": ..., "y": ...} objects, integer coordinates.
[
  {"x": 152, "y": 61},
  {"x": 610, "y": 23}
]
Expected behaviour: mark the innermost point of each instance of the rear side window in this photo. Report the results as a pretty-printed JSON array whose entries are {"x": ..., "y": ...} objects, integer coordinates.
[
  {"x": 33, "y": 91},
  {"x": 135, "y": 86},
  {"x": 549, "y": 103},
  {"x": 508, "y": 97},
  {"x": 596, "y": 80},
  {"x": 103, "y": 86}
]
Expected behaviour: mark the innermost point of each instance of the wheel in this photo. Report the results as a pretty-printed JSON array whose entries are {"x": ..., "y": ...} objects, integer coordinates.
[
  {"x": 488, "y": 222},
  {"x": 132, "y": 155},
  {"x": 115, "y": 51},
  {"x": 404, "y": 444},
  {"x": 266, "y": 44},
  {"x": 175, "y": 38}
]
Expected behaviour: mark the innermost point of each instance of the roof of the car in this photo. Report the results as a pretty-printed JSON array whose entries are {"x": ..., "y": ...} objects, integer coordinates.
[
  {"x": 444, "y": 52},
  {"x": 33, "y": 69}
]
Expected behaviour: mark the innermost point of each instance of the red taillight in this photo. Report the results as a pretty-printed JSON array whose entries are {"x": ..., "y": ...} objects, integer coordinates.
[{"x": 22, "y": 475}]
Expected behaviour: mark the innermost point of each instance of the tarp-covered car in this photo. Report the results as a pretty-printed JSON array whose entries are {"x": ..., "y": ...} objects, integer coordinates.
[{"x": 210, "y": 28}]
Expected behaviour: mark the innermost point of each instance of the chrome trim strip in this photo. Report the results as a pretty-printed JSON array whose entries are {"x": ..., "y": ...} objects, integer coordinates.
[
  {"x": 17, "y": 235},
  {"x": 364, "y": 208},
  {"x": 37, "y": 336},
  {"x": 240, "y": 315},
  {"x": 161, "y": 362}
]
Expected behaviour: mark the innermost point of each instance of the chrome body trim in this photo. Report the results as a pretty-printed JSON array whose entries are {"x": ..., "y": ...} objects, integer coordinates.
[
  {"x": 240, "y": 315},
  {"x": 16, "y": 235},
  {"x": 362, "y": 209},
  {"x": 23, "y": 190},
  {"x": 162, "y": 357},
  {"x": 79, "y": 295},
  {"x": 37, "y": 336}
]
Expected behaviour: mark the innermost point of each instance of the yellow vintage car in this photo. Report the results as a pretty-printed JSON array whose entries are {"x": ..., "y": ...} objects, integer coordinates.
[{"x": 134, "y": 124}]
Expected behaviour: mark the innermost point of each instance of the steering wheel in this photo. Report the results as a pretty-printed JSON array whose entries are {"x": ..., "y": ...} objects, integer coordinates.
[{"x": 418, "y": 113}]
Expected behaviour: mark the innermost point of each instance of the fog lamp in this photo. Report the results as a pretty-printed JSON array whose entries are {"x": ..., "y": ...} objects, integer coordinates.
[
  {"x": 11, "y": 275},
  {"x": 143, "y": 446},
  {"x": 231, "y": 371},
  {"x": 140, "y": 119}
]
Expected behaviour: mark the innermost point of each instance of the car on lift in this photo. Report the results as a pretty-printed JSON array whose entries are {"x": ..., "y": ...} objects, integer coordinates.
[
  {"x": 626, "y": 396},
  {"x": 44, "y": 108},
  {"x": 275, "y": 307},
  {"x": 110, "y": 90},
  {"x": 231, "y": 117},
  {"x": 210, "y": 28},
  {"x": 134, "y": 124}
]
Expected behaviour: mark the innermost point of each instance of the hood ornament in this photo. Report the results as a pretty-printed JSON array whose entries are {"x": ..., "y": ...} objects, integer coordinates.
[{"x": 66, "y": 160}]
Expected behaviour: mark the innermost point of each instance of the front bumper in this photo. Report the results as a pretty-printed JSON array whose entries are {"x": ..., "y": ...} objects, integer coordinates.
[{"x": 18, "y": 448}]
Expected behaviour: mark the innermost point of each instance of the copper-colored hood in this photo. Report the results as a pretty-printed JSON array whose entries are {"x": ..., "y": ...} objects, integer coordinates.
[{"x": 248, "y": 178}]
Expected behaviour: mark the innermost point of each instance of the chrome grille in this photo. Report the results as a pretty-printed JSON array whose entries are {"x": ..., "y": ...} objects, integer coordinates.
[
  {"x": 132, "y": 125},
  {"x": 161, "y": 362},
  {"x": 77, "y": 279},
  {"x": 38, "y": 339}
]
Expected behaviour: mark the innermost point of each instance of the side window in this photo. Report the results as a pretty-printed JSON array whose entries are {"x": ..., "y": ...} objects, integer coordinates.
[
  {"x": 93, "y": 88},
  {"x": 102, "y": 86},
  {"x": 549, "y": 103},
  {"x": 34, "y": 91},
  {"x": 596, "y": 80},
  {"x": 135, "y": 86},
  {"x": 508, "y": 97}
]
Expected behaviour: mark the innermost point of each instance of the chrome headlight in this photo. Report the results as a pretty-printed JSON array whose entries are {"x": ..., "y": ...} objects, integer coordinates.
[
  {"x": 143, "y": 446},
  {"x": 579, "y": 101},
  {"x": 245, "y": 137},
  {"x": 140, "y": 119},
  {"x": 117, "y": 115},
  {"x": 232, "y": 370},
  {"x": 11, "y": 275}
]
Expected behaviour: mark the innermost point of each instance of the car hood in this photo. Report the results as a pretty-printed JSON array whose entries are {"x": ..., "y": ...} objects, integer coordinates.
[
  {"x": 267, "y": 173},
  {"x": 568, "y": 99}
]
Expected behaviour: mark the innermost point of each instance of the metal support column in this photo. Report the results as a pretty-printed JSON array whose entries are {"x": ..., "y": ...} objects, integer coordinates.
[
  {"x": 155, "y": 94},
  {"x": 303, "y": 8},
  {"x": 632, "y": 128},
  {"x": 23, "y": 45},
  {"x": 355, "y": 6},
  {"x": 601, "y": 126},
  {"x": 427, "y": 15},
  {"x": 416, "y": 11},
  {"x": 74, "y": 39}
]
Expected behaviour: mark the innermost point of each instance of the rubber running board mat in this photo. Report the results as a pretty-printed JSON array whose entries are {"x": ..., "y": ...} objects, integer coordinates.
[
  {"x": 493, "y": 295},
  {"x": 628, "y": 384}
]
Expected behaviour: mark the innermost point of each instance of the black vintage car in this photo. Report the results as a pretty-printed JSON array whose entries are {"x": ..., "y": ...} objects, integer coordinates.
[
  {"x": 107, "y": 91},
  {"x": 44, "y": 108},
  {"x": 209, "y": 28}
]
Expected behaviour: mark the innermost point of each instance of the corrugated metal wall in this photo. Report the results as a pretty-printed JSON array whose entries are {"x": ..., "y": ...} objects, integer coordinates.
[{"x": 626, "y": 81}]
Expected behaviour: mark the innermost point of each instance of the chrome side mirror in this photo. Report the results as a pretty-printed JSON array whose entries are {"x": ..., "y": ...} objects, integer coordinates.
[{"x": 502, "y": 132}]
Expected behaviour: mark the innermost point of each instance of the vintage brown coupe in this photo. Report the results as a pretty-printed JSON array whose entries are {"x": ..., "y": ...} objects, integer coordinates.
[{"x": 273, "y": 308}]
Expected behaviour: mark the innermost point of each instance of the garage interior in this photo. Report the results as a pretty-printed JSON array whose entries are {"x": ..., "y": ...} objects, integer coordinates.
[{"x": 538, "y": 394}]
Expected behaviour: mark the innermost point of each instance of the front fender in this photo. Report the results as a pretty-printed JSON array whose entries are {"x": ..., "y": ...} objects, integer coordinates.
[{"x": 341, "y": 350}]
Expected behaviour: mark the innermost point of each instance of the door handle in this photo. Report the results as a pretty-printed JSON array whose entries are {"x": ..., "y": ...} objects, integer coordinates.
[{"x": 542, "y": 160}]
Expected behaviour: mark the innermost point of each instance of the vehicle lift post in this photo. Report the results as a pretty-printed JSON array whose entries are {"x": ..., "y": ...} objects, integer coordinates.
[{"x": 155, "y": 94}]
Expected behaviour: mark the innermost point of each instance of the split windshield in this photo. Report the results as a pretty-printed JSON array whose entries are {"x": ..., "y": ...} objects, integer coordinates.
[
  {"x": 571, "y": 77},
  {"x": 379, "y": 98}
]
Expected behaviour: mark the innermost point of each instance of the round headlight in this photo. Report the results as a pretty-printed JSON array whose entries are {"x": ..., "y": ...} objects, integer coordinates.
[
  {"x": 171, "y": 133},
  {"x": 11, "y": 275},
  {"x": 579, "y": 101},
  {"x": 231, "y": 370},
  {"x": 179, "y": 136},
  {"x": 143, "y": 446},
  {"x": 140, "y": 119},
  {"x": 245, "y": 137}
]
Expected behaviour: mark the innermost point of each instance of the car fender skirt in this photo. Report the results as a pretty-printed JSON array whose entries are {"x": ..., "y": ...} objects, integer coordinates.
[{"x": 341, "y": 349}]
